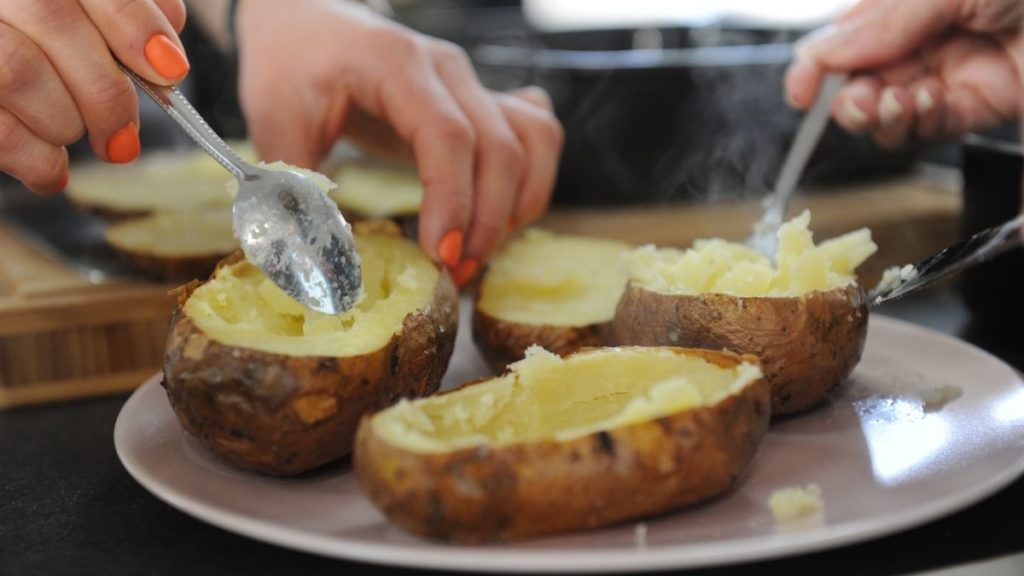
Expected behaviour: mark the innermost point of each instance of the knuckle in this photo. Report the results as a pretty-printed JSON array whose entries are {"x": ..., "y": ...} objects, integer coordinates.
[
  {"x": 552, "y": 129},
  {"x": 508, "y": 151},
  {"x": 17, "y": 63},
  {"x": 405, "y": 49},
  {"x": 451, "y": 54},
  {"x": 12, "y": 133},
  {"x": 456, "y": 133},
  {"x": 125, "y": 7},
  {"x": 111, "y": 92}
]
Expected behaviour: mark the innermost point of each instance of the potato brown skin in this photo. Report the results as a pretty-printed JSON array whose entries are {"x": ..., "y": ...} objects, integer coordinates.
[
  {"x": 184, "y": 267},
  {"x": 502, "y": 342},
  {"x": 807, "y": 344},
  {"x": 281, "y": 414},
  {"x": 486, "y": 494}
]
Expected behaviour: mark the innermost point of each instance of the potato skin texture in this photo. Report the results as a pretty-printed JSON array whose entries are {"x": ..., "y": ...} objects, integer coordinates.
[
  {"x": 478, "y": 495},
  {"x": 283, "y": 415},
  {"x": 501, "y": 342},
  {"x": 807, "y": 345},
  {"x": 185, "y": 267}
]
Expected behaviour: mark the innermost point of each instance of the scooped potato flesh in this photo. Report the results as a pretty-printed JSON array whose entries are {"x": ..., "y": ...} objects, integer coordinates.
[
  {"x": 546, "y": 397},
  {"x": 241, "y": 307},
  {"x": 721, "y": 267},
  {"x": 542, "y": 278}
]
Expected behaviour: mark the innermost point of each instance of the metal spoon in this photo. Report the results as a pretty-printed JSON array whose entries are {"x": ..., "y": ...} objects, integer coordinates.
[
  {"x": 287, "y": 226},
  {"x": 764, "y": 238}
]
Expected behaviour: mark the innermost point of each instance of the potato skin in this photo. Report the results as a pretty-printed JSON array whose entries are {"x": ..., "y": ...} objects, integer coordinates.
[
  {"x": 283, "y": 415},
  {"x": 502, "y": 342},
  {"x": 807, "y": 345},
  {"x": 507, "y": 493},
  {"x": 185, "y": 267}
]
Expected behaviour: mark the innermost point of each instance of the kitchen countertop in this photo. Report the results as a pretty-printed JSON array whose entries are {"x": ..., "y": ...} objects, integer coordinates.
[{"x": 68, "y": 506}]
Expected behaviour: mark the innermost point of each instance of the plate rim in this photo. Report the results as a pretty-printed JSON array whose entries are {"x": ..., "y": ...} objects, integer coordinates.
[{"x": 502, "y": 558}]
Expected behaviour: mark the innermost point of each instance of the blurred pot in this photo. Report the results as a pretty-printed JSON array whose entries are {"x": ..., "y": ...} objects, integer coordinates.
[
  {"x": 672, "y": 114},
  {"x": 992, "y": 170}
]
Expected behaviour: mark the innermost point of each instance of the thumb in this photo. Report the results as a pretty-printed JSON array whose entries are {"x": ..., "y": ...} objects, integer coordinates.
[{"x": 883, "y": 33}]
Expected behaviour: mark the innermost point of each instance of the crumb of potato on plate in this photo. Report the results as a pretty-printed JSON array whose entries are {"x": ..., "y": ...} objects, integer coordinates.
[
  {"x": 795, "y": 502},
  {"x": 640, "y": 535},
  {"x": 936, "y": 398}
]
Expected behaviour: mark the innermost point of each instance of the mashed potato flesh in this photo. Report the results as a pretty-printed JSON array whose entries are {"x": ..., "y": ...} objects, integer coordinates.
[
  {"x": 241, "y": 307},
  {"x": 717, "y": 266},
  {"x": 542, "y": 278},
  {"x": 177, "y": 233},
  {"x": 546, "y": 397}
]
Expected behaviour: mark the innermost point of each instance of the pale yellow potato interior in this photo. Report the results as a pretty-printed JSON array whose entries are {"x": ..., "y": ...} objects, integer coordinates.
[
  {"x": 241, "y": 307},
  {"x": 377, "y": 192},
  {"x": 547, "y": 398},
  {"x": 542, "y": 278},
  {"x": 176, "y": 233},
  {"x": 717, "y": 266},
  {"x": 158, "y": 181}
]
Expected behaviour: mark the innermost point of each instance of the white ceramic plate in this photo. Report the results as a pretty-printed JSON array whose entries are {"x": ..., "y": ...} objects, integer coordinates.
[{"x": 883, "y": 462}]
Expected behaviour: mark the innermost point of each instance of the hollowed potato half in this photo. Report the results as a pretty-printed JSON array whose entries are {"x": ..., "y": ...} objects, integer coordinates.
[
  {"x": 805, "y": 317},
  {"x": 273, "y": 386},
  {"x": 557, "y": 444},
  {"x": 558, "y": 292}
]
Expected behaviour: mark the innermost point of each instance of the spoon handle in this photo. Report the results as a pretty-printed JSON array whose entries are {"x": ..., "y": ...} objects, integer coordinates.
[
  {"x": 804, "y": 143},
  {"x": 181, "y": 111}
]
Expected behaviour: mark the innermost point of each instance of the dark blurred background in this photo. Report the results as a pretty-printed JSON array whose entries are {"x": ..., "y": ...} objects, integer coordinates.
[{"x": 674, "y": 106}]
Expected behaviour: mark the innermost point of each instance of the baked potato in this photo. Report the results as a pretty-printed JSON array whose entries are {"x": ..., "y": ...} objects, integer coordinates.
[
  {"x": 559, "y": 444},
  {"x": 175, "y": 245},
  {"x": 805, "y": 318},
  {"x": 160, "y": 181},
  {"x": 275, "y": 387},
  {"x": 555, "y": 291}
]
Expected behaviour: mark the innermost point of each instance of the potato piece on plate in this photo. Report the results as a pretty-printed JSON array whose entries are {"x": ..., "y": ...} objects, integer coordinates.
[
  {"x": 558, "y": 444},
  {"x": 175, "y": 245},
  {"x": 805, "y": 317},
  {"x": 558, "y": 292},
  {"x": 165, "y": 180},
  {"x": 275, "y": 387}
]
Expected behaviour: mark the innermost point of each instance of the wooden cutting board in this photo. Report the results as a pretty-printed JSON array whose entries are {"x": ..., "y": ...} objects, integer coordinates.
[{"x": 64, "y": 337}]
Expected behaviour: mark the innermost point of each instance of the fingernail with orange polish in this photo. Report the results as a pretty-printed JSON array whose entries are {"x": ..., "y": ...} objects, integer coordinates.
[
  {"x": 63, "y": 182},
  {"x": 166, "y": 58},
  {"x": 464, "y": 271},
  {"x": 450, "y": 249},
  {"x": 123, "y": 145}
]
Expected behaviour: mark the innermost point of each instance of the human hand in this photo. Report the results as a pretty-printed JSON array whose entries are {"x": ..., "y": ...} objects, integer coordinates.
[
  {"x": 59, "y": 80},
  {"x": 310, "y": 72},
  {"x": 926, "y": 69}
]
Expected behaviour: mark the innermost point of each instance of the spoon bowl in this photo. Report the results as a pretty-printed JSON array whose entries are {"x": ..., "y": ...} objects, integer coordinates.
[{"x": 286, "y": 225}]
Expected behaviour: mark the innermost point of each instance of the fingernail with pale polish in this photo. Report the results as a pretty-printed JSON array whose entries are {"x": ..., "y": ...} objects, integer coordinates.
[
  {"x": 123, "y": 145},
  {"x": 889, "y": 108},
  {"x": 464, "y": 271},
  {"x": 450, "y": 249},
  {"x": 166, "y": 58},
  {"x": 924, "y": 101},
  {"x": 853, "y": 115}
]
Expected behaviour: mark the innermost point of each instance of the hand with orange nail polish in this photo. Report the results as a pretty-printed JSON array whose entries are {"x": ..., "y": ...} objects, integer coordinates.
[
  {"x": 314, "y": 71},
  {"x": 59, "y": 79},
  {"x": 921, "y": 69}
]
